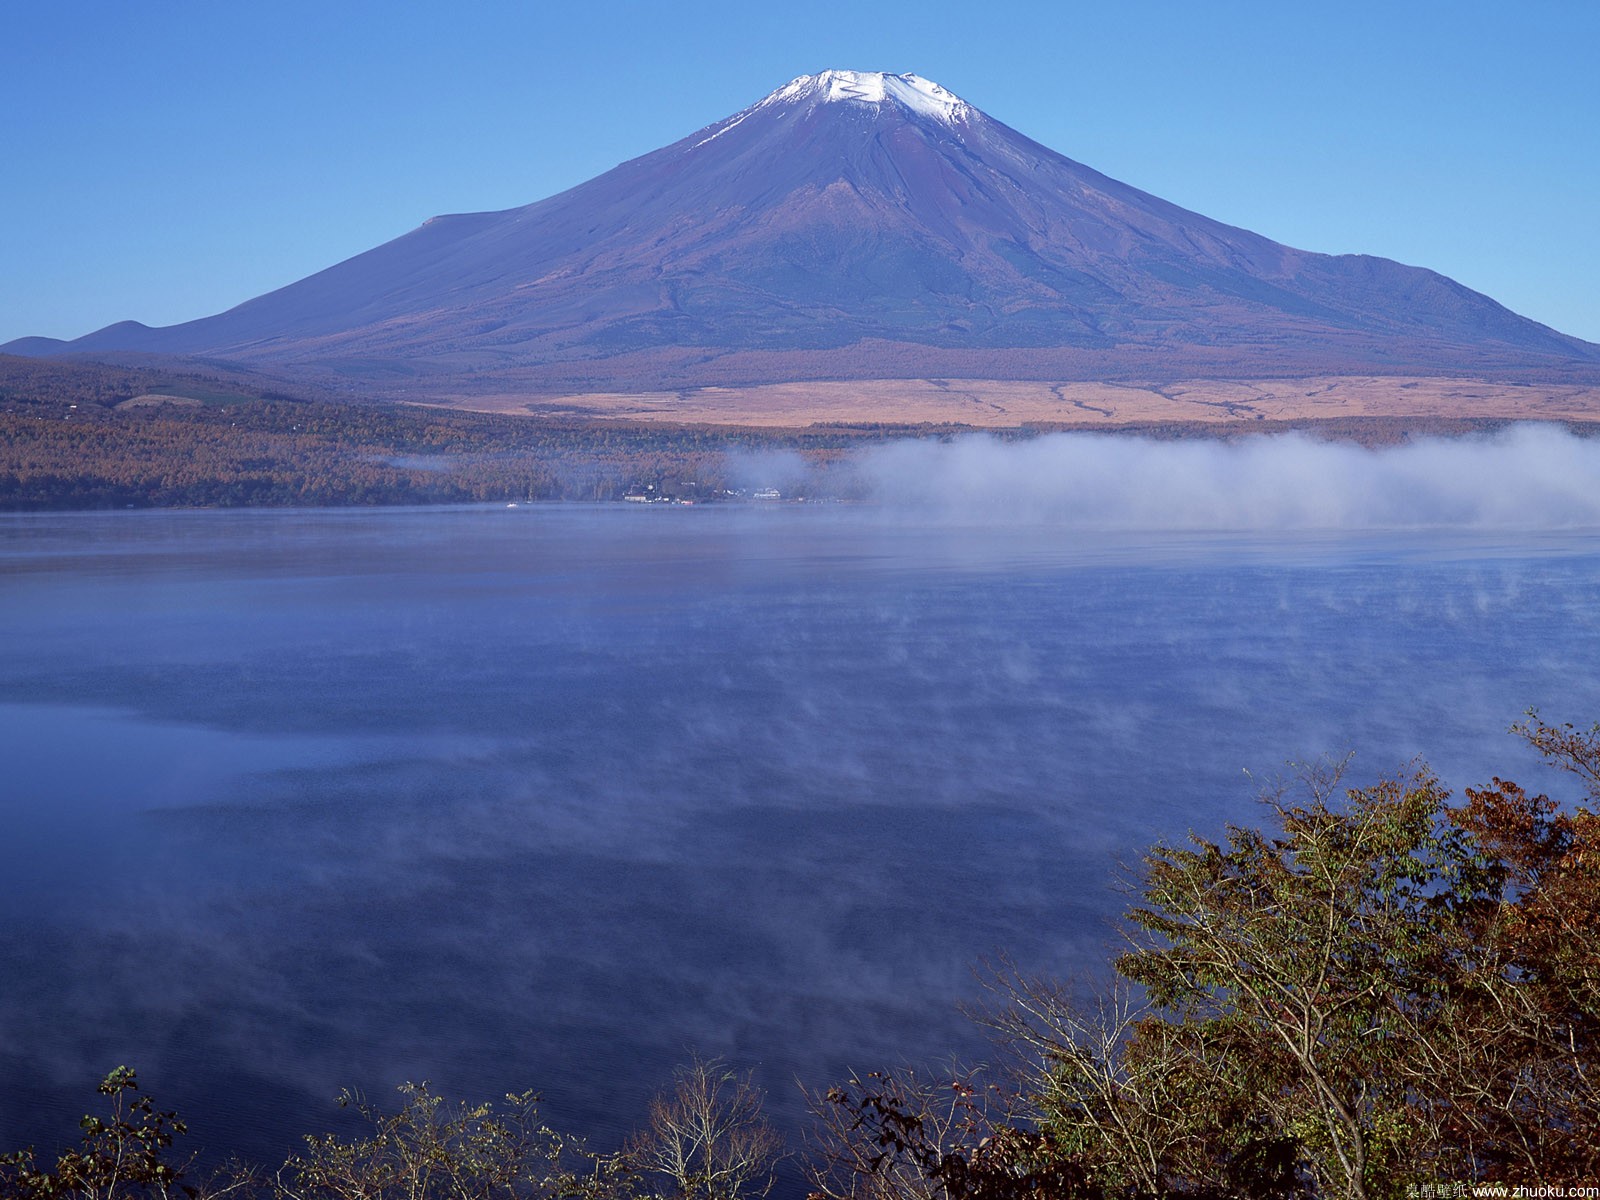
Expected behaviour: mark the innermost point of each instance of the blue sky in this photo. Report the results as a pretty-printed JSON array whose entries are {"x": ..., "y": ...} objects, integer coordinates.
[{"x": 167, "y": 159}]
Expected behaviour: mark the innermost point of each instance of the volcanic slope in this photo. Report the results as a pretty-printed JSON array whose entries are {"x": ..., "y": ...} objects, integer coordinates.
[{"x": 853, "y": 226}]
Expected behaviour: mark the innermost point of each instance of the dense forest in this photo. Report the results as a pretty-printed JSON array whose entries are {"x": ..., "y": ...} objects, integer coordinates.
[
  {"x": 90, "y": 436},
  {"x": 1381, "y": 992}
]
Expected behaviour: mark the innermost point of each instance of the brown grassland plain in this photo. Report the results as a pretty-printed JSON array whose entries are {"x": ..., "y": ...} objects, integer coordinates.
[{"x": 998, "y": 404}]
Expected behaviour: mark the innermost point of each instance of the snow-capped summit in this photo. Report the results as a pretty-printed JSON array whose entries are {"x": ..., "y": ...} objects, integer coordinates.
[{"x": 921, "y": 96}]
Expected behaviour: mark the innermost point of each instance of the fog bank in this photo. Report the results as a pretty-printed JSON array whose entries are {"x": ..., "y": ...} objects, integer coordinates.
[{"x": 1530, "y": 476}]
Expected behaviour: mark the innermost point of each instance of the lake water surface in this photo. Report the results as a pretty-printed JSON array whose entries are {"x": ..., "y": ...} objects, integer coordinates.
[{"x": 552, "y": 797}]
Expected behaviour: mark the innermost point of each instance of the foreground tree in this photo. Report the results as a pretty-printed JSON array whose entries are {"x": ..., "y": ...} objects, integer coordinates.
[
  {"x": 1520, "y": 1043},
  {"x": 124, "y": 1154},
  {"x": 895, "y": 1135},
  {"x": 706, "y": 1138},
  {"x": 454, "y": 1151},
  {"x": 1143, "y": 1105},
  {"x": 1379, "y": 989}
]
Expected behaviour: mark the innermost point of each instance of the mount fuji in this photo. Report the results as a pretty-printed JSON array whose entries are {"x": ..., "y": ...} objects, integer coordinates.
[{"x": 850, "y": 226}]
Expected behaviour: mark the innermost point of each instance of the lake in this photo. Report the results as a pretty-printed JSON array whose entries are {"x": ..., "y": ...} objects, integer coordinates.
[{"x": 554, "y": 796}]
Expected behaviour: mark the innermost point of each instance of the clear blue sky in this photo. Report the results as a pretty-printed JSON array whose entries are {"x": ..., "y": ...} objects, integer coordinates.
[{"x": 166, "y": 159}]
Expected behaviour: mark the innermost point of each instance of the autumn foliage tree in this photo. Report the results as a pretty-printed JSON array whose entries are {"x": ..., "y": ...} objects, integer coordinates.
[
  {"x": 1378, "y": 989},
  {"x": 1526, "y": 1022}
]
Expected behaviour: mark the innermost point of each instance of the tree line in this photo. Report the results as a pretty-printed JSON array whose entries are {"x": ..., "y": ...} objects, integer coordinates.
[
  {"x": 68, "y": 440},
  {"x": 1380, "y": 992}
]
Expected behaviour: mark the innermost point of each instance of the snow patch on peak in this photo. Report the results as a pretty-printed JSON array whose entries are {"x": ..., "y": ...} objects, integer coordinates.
[{"x": 913, "y": 92}]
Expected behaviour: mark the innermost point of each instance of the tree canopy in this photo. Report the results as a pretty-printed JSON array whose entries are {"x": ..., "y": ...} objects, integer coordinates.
[{"x": 1379, "y": 989}]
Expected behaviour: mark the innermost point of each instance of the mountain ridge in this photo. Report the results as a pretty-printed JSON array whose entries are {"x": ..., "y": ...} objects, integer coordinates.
[{"x": 851, "y": 225}]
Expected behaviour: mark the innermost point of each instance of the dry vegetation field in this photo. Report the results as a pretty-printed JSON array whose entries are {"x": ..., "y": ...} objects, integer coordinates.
[{"x": 998, "y": 404}]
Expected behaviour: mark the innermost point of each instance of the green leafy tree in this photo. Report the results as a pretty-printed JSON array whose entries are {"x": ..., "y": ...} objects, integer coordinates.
[
  {"x": 124, "y": 1154},
  {"x": 430, "y": 1149},
  {"x": 1301, "y": 961},
  {"x": 1141, "y": 1105}
]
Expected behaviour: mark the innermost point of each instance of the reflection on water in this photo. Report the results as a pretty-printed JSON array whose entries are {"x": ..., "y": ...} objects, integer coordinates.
[{"x": 550, "y": 797}]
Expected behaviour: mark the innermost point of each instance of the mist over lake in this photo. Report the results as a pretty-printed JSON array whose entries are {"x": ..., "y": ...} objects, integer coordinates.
[{"x": 552, "y": 796}]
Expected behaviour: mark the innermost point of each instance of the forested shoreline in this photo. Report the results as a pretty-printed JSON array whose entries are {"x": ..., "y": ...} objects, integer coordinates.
[
  {"x": 91, "y": 436},
  {"x": 85, "y": 436}
]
